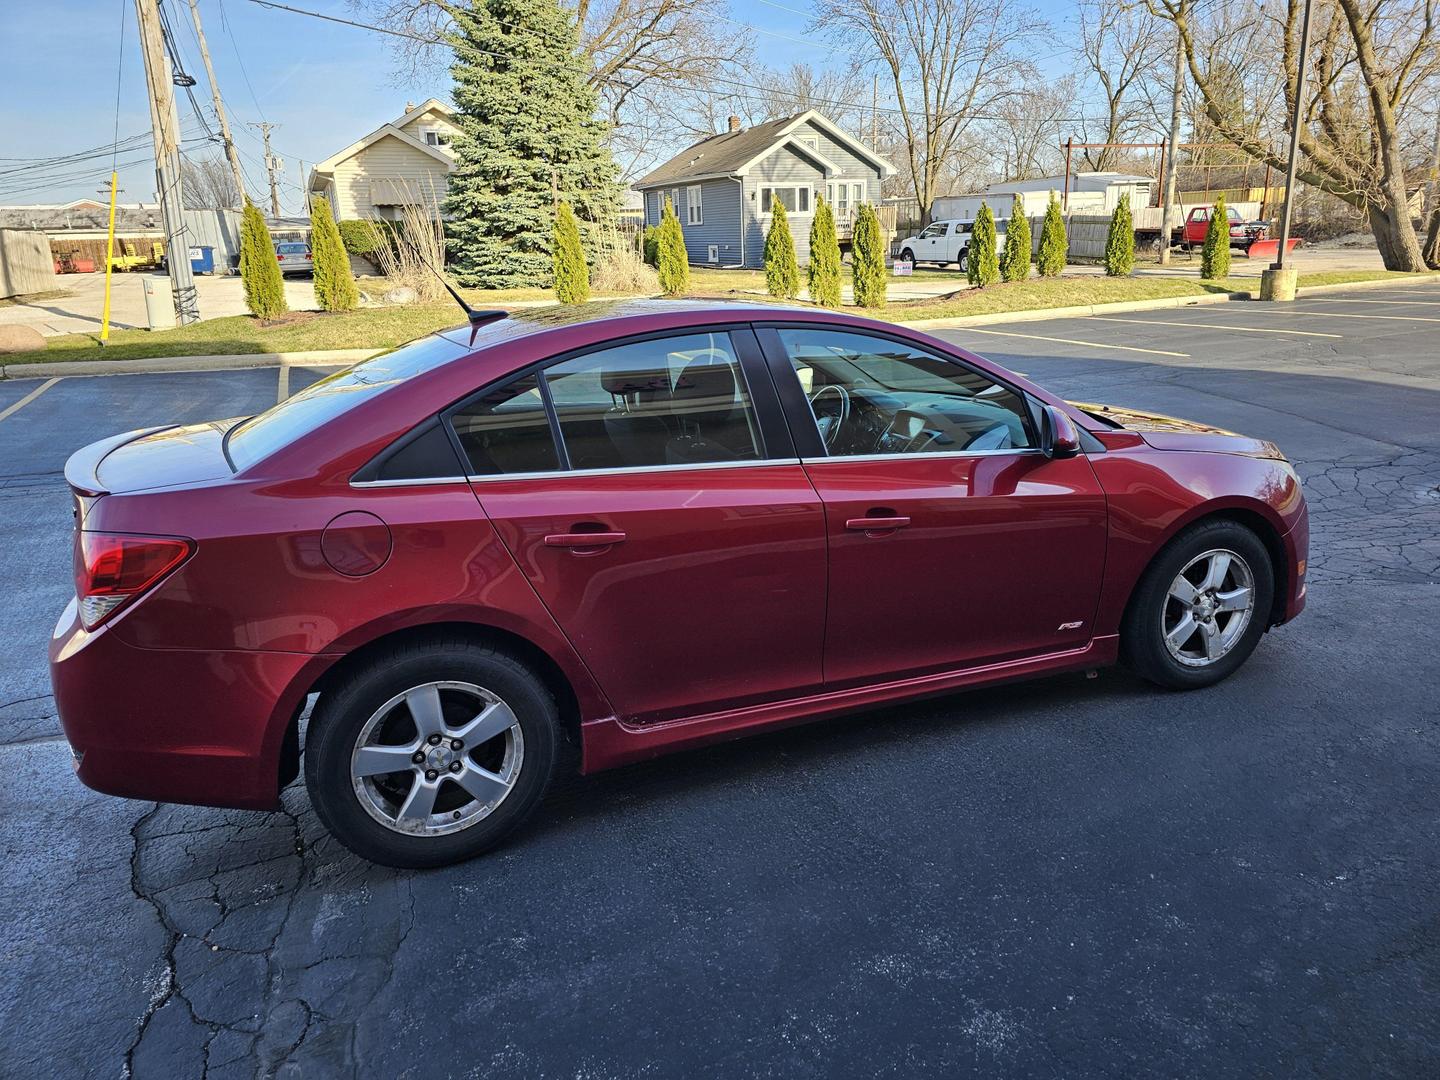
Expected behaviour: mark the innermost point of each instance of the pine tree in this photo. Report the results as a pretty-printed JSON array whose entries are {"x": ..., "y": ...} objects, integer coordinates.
[
  {"x": 528, "y": 138},
  {"x": 1215, "y": 255},
  {"x": 982, "y": 265},
  {"x": 1054, "y": 244},
  {"x": 259, "y": 269},
  {"x": 1016, "y": 264},
  {"x": 868, "y": 258},
  {"x": 334, "y": 281},
  {"x": 572, "y": 276},
  {"x": 672, "y": 261},
  {"x": 1120, "y": 244},
  {"x": 823, "y": 274},
  {"x": 782, "y": 275}
]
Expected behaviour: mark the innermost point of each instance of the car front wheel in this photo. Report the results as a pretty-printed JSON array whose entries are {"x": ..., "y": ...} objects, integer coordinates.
[
  {"x": 431, "y": 753},
  {"x": 1200, "y": 608}
]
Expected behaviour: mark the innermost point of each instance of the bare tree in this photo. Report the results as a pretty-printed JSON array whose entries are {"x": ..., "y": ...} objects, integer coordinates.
[
  {"x": 1361, "y": 134},
  {"x": 1119, "y": 46},
  {"x": 949, "y": 64},
  {"x": 1027, "y": 129},
  {"x": 208, "y": 184}
]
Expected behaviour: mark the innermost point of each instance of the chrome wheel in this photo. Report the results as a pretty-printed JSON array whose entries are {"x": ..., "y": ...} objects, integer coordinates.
[
  {"x": 1208, "y": 607},
  {"x": 437, "y": 758}
]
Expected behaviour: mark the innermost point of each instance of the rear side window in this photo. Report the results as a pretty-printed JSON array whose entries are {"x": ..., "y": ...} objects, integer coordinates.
[
  {"x": 506, "y": 430},
  {"x": 261, "y": 436}
]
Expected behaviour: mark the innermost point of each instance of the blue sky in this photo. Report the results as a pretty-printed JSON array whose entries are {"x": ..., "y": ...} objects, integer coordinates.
[{"x": 324, "y": 85}]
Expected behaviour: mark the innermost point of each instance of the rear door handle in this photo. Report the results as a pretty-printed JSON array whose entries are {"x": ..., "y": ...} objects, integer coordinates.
[
  {"x": 582, "y": 540},
  {"x": 877, "y": 524}
]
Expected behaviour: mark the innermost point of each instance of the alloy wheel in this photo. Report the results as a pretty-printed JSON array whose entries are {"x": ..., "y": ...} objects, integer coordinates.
[
  {"x": 1208, "y": 607},
  {"x": 437, "y": 758}
]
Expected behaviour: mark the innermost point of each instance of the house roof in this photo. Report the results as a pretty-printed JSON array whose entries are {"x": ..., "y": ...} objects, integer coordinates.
[
  {"x": 393, "y": 129},
  {"x": 733, "y": 153}
]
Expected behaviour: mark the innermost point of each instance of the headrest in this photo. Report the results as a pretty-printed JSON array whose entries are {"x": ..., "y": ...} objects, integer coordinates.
[
  {"x": 702, "y": 380},
  {"x": 650, "y": 383}
]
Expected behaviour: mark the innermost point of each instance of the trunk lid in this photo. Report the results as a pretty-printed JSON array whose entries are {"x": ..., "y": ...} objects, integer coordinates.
[{"x": 147, "y": 459}]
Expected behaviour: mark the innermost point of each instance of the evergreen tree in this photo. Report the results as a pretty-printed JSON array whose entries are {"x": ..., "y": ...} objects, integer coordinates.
[
  {"x": 868, "y": 258},
  {"x": 1120, "y": 243},
  {"x": 1215, "y": 255},
  {"x": 259, "y": 269},
  {"x": 782, "y": 276},
  {"x": 1054, "y": 244},
  {"x": 528, "y": 138},
  {"x": 824, "y": 271},
  {"x": 572, "y": 276},
  {"x": 672, "y": 261},
  {"x": 982, "y": 265},
  {"x": 334, "y": 281},
  {"x": 1016, "y": 264}
]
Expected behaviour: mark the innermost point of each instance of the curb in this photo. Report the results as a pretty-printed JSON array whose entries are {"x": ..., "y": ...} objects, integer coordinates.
[
  {"x": 1038, "y": 314},
  {"x": 158, "y": 364}
]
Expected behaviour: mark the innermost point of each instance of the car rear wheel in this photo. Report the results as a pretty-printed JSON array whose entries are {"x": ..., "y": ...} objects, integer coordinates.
[
  {"x": 431, "y": 754},
  {"x": 1201, "y": 607},
  {"x": 964, "y": 263}
]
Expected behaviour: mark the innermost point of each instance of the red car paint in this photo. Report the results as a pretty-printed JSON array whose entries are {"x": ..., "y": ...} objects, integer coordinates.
[{"x": 718, "y": 601}]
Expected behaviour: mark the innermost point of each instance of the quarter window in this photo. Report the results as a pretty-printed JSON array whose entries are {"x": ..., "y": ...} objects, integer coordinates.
[{"x": 871, "y": 395}]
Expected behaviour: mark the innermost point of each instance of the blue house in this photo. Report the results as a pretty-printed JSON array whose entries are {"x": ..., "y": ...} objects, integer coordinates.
[{"x": 723, "y": 186}]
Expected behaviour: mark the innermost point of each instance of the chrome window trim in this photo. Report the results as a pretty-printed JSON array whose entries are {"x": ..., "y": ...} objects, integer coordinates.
[
  {"x": 572, "y": 474},
  {"x": 429, "y": 481},
  {"x": 924, "y": 455}
]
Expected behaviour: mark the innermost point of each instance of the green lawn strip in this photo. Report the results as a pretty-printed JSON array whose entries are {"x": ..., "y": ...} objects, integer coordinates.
[{"x": 386, "y": 327}]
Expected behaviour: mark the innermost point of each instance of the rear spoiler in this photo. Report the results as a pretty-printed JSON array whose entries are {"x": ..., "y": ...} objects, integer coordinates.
[{"x": 82, "y": 468}]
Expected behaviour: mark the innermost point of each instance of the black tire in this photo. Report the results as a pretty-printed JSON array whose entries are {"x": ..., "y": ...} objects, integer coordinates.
[
  {"x": 343, "y": 712},
  {"x": 964, "y": 261},
  {"x": 1143, "y": 648},
  {"x": 908, "y": 256}
]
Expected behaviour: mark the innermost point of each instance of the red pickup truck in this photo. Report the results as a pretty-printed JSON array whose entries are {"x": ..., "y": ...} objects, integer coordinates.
[{"x": 1243, "y": 234}]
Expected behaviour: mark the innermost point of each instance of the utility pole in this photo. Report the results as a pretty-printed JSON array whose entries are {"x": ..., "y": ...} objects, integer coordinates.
[
  {"x": 109, "y": 257},
  {"x": 230, "y": 153},
  {"x": 272, "y": 165},
  {"x": 1172, "y": 164},
  {"x": 1278, "y": 283},
  {"x": 166, "y": 126}
]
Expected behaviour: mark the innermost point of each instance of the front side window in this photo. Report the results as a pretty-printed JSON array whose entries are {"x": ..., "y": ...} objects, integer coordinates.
[
  {"x": 665, "y": 401},
  {"x": 871, "y": 395},
  {"x": 931, "y": 231}
]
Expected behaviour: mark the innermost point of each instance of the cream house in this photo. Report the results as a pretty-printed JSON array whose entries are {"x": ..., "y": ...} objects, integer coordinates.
[{"x": 406, "y": 161}]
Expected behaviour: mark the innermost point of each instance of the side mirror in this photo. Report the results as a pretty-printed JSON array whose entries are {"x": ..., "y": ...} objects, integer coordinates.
[{"x": 1058, "y": 437}]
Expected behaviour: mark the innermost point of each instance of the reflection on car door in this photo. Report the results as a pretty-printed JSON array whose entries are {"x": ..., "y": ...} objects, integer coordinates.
[
  {"x": 953, "y": 540},
  {"x": 657, "y": 507}
]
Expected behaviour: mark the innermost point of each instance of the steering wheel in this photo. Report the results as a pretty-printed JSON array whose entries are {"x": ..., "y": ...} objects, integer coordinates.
[{"x": 830, "y": 424}]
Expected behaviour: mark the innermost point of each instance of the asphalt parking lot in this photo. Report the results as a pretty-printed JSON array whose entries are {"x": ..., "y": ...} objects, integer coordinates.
[{"x": 1064, "y": 878}]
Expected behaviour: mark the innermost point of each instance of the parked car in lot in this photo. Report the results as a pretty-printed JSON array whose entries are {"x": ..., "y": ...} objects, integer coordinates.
[
  {"x": 294, "y": 258},
  {"x": 590, "y": 536},
  {"x": 944, "y": 242}
]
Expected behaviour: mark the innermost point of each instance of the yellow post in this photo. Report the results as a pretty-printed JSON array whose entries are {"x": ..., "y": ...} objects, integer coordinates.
[{"x": 109, "y": 264}]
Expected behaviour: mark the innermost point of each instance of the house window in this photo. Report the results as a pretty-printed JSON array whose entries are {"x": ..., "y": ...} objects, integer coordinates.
[
  {"x": 694, "y": 211},
  {"x": 675, "y": 200},
  {"x": 795, "y": 198},
  {"x": 435, "y": 137},
  {"x": 844, "y": 198}
]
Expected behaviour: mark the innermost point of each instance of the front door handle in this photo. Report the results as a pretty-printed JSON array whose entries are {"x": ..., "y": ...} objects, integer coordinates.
[
  {"x": 872, "y": 525},
  {"x": 584, "y": 543}
]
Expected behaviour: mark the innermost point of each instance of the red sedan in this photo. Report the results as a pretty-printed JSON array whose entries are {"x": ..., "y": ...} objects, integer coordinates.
[{"x": 584, "y": 537}]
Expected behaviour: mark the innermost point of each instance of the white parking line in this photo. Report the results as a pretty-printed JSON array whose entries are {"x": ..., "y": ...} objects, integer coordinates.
[
  {"x": 1067, "y": 341},
  {"x": 1348, "y": 300},
  {"x": 1215, "y": 326},
  {"x": 13, "y": 409},
  {"x": 1354, "y": 315},
  {"x": 282, "y": 391}
]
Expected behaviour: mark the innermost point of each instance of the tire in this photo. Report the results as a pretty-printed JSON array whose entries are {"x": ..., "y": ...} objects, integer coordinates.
[
  {"x": 964, "y": 261},
  {"x": 908, "y": 256},
  {"x": 1217, "y": 645},
  {"x": 368, "y": 807}
]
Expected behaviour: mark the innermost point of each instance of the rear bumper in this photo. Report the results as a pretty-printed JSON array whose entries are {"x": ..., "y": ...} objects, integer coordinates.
[{"x": 174, "y": 725}]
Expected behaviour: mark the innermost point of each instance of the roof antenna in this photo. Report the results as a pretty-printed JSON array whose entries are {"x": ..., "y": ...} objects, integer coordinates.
[{"x": 477, "y": 318}]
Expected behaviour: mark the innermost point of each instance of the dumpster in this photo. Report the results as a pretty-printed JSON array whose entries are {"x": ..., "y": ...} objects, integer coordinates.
[{"x": 202, "y": 260}]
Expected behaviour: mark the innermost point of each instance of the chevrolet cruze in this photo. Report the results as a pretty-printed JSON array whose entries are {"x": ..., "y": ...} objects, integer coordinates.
[{"x": 582, "y": 537}]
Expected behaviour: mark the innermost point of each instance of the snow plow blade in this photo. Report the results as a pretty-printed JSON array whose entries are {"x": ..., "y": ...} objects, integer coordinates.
[{"x": 1268, "y": 249}]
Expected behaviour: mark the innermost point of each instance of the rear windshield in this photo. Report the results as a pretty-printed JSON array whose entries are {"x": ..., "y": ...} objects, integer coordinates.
[
  {"x": 257, "y": 438},
  {"x": 291, "y": 249}
]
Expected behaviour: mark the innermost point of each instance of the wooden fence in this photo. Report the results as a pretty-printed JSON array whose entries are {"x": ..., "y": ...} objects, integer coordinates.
[{"x": 25, "y": 264}]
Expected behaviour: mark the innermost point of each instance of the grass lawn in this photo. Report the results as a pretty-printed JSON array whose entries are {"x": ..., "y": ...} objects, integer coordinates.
[{"x": 386, "y": 327}]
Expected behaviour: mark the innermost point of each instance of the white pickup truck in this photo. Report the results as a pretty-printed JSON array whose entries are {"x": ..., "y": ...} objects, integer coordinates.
[{"x": 944, "y": 242}]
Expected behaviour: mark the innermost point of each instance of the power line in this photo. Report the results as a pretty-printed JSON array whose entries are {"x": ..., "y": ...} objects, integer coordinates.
[{"x": 119, "y": 78}]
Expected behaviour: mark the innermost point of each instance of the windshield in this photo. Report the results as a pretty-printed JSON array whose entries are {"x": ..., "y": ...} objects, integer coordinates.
[{"x": 257, "y": 438}]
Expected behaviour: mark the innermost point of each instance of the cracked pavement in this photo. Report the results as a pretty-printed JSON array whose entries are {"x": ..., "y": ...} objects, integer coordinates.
[{"x": 1069, "y": 877}]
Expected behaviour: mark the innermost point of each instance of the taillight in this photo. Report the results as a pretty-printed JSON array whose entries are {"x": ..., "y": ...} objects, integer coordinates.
[{"x": 112, "y": 569}]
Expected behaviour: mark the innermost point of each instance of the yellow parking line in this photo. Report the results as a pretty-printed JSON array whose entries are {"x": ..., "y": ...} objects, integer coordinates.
[
  {"x": 1214, "y": 326},
  {"x": 13, "y": 409},
  {"x": 1068, "y": 341}
]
